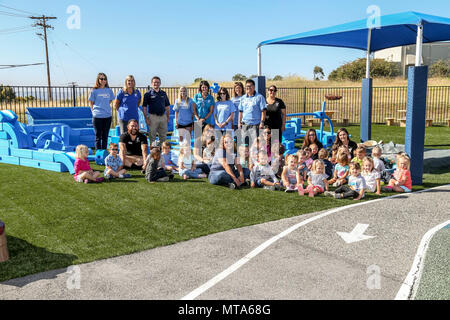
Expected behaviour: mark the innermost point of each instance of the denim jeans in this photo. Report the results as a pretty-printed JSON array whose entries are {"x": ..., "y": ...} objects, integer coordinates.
[{"x": 221, "y": 177}]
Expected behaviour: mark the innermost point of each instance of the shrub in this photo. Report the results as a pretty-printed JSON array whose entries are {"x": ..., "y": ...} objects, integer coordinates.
[
  {"x": 440, "y": 69},
  {"x": 356, "y": 70},
  {"x": 239, "y": 77}
]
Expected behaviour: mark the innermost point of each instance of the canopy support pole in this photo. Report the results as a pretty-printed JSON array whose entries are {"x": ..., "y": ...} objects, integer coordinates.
[
  {"x": 259, "y": 61},
  {"x": 419, "y": 43},
  {"x": 366, "y": 97}
]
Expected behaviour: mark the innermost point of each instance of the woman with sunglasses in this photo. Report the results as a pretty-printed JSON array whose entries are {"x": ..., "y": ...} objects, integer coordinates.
[
  {"x": 311, "y": 138},
  {"x": 100, "y": 100},
  {"x": 127, "y": 102},
  {"x": 276, "y": 111},
  {"x": 224, "y": 111}
]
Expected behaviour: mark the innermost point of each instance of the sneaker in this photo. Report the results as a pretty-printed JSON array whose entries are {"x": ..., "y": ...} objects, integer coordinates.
[
  {"x": 289, "y": 189},
  {"x": 163, "y": 179},
  {"x": 271, "y": 188},
  {"x": 127, "y": 175},
  {"x": 86, "y": 181},
  {"x": 301, "y": 191},
  {"x": 202, "y": 175},
  {"x": 338, "y": 195},
  {"x": 337, "y": 184},
  {"x": 232, "y": 186},
  {"x": 311, "y": 193},
  {"x": 101, "y": 179},
  {"x": 171, "y": 176},
  {"x": 386, "y": 189},
  {"x": 277, "y": 187},
  {"x": 143, "y": 171},
  {"x": 329, "y": 194}
]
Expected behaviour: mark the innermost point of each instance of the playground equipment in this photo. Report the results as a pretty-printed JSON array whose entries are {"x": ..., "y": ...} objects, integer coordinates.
[{"x": 45, "y": 145}]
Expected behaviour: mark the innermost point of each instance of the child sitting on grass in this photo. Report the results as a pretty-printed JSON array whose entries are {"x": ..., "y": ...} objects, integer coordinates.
[
  {"x": 401, "y": 180},
  {"x": 317, "y": 180},
  {"x": 356, "y": 185},
  {"x": 186, "y": 166},
  {"x": 113, "y": 164},
  {"x": 262, "y": 174},
  {"x": 290, "y": 175},
  {"x": 154, "y": 172},
  {"x": 167, "y": 155},
  {"x": 83, "y": 171},
  {"x": 360, "y": 153},
  {"x": 378, "y": 164},
  {"x": 341, "y": 168},
  {"x": 371, "y": 176},
  {"x": 314, "y": 151},
  {"x": 323, "y": 155}
]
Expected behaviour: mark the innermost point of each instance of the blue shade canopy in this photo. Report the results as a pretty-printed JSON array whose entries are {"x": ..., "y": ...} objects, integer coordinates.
[{"x": 394, "y": 30}]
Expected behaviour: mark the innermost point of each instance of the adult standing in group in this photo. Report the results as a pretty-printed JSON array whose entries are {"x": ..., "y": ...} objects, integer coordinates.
[
  {"x": 224, "y": 111},
  {"x": 205, "y": 104},
  {"x": 311, "y": 138},
  {"x": 100, "y": 100},
  {"x": 343, "y": 139},
  {"x": 225, "y": 167},
  {"x": 127, "y": 102},
  {"x": 133, "y": 146},
  {"x": 185, "y": 110},
  {"x": 156, "y": 109},
  {"x": 238, "y": 91},
  {"x": 276, "y": 111},
  {"x": 252, "y": 110}
]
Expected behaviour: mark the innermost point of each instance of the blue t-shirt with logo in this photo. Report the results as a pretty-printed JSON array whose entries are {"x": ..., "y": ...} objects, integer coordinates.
[
  {"x": 222, "y": 110},
  {"x": 236, "y": 101},
  {"x": 185, "y": 111},
  {"x": 129, "y": 103},
  {"x": 101, "y": 98},
  {"x": 252, "y": 107},
  {"x": 203, "y": 106}
]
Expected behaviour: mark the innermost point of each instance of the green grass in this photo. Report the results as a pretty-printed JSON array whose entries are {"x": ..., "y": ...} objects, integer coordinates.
[{"x": 53, "y": 222}]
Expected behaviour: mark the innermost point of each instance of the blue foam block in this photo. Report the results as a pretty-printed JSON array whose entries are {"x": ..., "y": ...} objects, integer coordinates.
[
  {"x": 9, "y": 159},
  {"x": 100, "y": 156},
  {"x": 5, "y": 151},
  {"x": 8, "y": 116},
  {"x": 3, "y": 135},
  {"x": 40, "y": 155},
  {"x": 67, "y": 160},
  {"x": 4, "y": 143},
  {"x": 22, "y": 153},
  {"x": 41, "y": 164}
]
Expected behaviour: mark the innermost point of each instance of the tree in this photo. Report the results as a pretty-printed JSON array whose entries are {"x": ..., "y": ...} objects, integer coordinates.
[
  {"x": 6, "y": 93},
  {"x": 356, "y": 70},
  {"x": 277, "y": 78},
  {"x": 253, "y": 76},
  {"x": 239, "y": 77},
  {"x": 318, "y": 73},
  {"x": 198, "y": 79},
  {"x": 440, "y": 69}
]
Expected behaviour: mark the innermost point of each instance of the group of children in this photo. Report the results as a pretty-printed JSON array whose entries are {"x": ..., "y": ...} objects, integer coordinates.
[{"x": 309, "y": 171}]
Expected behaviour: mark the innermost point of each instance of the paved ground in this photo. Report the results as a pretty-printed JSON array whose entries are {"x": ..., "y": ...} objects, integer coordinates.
[{"x": 311, "y": 262}]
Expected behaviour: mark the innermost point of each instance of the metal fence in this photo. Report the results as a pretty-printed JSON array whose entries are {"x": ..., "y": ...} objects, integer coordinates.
[{"x": 387, "y": 101}]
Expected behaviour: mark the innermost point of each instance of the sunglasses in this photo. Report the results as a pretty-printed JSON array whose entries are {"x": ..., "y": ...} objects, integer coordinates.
[
  {"x": 272, "y": 90},
  {"x": 223, "y": 93},
  {"x": 102, "y": 79},
  {"x": 115, "y": 149}
]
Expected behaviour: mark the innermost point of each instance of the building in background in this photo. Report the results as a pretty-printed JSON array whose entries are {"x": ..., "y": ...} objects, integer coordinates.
[{"x": 406, "y": 55}]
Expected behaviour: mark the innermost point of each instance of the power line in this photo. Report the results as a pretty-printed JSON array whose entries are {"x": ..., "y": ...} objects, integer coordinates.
[
  {"x": 2, "y": 5},
  {"x": 11, "y": 14},
  {"x": 7, "y": 66}
]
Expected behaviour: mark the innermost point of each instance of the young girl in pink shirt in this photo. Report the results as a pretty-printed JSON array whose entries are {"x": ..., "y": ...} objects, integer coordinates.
[
  {"x": 83, "y": 171},
  {"x": 401, "y": 181}
]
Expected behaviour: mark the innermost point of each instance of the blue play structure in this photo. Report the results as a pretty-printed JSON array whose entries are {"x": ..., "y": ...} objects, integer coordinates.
[
  {"x": 41, "y": 144},
  {"x": 293, "y": 129}
]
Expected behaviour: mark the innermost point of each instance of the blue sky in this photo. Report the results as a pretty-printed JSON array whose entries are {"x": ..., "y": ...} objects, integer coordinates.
[{"x": 179, "y": 40}]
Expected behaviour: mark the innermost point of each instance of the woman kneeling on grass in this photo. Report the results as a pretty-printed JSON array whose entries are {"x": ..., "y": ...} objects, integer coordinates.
[
  {"x": 83, "y": 171},
  {"x": 226, "y": 168}
]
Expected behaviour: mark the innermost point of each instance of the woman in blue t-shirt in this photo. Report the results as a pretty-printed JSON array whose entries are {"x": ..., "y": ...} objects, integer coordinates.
[
  {"x": 238, "y": 93},
  {"x": 100, "y": 102},
  {"x": 185, "y": 110},
  {"x": 127, "y": 102},
  {"x": 224, "y": 111},
  {"x": 205, "y": 105}
]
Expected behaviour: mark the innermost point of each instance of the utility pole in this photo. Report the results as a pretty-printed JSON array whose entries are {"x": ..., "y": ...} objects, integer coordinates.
[{"x": 42, "y": 23}]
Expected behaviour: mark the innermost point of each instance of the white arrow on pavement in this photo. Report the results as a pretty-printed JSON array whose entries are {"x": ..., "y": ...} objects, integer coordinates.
[{"x": 356, "y": 235}]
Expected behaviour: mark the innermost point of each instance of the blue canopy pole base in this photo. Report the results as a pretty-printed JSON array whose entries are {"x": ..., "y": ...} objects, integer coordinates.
[
  {"x": 366, "y": 109},
  {"x": 260, "y": 85},
  {"x": 415, "y": 120}
]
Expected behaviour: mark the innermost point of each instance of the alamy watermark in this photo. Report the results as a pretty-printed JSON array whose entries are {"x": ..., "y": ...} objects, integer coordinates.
[
  {"x": 74, "y": 280},
  {"x": 74, "y": 20},
  {"x": 374, "y": 18},
  {"x": 374, "y": 279}
]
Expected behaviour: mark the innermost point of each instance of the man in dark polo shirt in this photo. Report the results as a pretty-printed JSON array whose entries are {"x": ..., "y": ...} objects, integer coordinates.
[
  {"x": 156, "y": 108},
  {"x": 133, "y": 146}
]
